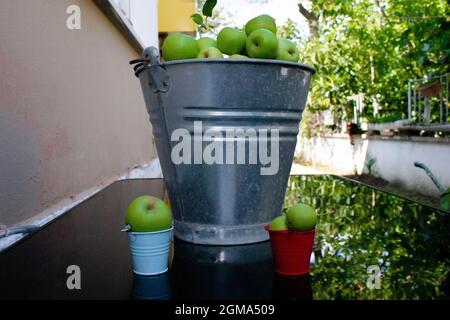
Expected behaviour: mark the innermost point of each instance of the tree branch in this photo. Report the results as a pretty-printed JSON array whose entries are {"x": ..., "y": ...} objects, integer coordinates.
[
  {"x": 311, "y": 17},
  {"x": 383, "y": 12},
  {"x": 308, "y": 15}
]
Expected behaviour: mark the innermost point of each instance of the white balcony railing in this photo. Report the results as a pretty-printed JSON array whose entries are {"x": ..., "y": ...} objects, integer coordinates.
[{"x": 428, "y": 100}]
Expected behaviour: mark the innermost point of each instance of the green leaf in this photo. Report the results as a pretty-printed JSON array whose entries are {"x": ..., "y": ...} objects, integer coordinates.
[
  {"x": 208, "y": 7},
  {"x": 197, "y": 18}
]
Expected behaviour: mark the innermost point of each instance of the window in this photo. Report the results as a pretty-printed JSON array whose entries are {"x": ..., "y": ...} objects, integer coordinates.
[{"x": 125, "y": 8}]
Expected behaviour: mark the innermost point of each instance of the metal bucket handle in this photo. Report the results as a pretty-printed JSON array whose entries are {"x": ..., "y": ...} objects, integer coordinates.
[
  {"x": 132, "y": 237},
  {"x": 159, "y": 79},
  {"x": 159, "y": 82}
]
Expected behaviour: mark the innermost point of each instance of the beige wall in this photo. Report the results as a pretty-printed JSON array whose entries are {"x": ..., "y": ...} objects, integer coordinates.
[{"x": 72, "y": 113}]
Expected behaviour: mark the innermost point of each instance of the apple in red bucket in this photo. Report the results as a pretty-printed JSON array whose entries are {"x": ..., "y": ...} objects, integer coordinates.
[
  {"x": 148, "y": 214},
  {"x": 301, "y": 217},
  {"x": 279, "y": 223}
]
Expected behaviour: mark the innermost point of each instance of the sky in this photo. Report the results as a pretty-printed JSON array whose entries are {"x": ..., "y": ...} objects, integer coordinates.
[{"x": 243, "y": 10}]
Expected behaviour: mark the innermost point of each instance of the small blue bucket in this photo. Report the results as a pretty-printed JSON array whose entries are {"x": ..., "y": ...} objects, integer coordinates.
[{"x": 150, "y": 251}]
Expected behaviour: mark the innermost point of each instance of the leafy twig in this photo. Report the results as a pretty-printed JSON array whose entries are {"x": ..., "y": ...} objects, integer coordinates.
[
  {"x": 201, "y": 20},
  {"x": 208, "y": 7}
]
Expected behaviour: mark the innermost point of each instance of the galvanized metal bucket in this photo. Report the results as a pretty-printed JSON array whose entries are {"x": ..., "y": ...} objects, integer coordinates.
[{"x": 224, "y": 203}]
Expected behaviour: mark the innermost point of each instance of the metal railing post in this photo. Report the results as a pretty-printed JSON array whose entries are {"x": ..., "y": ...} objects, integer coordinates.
[
  {"x": 441, "y": 113},
  {"x": 418, "y": 108},
  {"x": 409, "y": 99},
  {"x": 446, "y": 98},
  {"x": 415, "y": 99}
]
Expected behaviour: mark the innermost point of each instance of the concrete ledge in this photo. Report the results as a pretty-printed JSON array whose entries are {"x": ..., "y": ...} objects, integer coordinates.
[
  {"x": 393, "y": 158},
  {"x": 444, "y": 140},
  {"x": 387, "y": 126}
]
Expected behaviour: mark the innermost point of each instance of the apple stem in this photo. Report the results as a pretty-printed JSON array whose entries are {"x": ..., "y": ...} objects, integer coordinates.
[{"x": 151, "y": 206}]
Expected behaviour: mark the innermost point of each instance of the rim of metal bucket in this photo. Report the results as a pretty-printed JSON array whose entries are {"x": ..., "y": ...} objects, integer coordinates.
[{"x": 245, "y": 60}]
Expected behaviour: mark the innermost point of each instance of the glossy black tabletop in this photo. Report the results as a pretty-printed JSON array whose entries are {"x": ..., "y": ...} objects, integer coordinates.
[{"x": 369, "y": 245}]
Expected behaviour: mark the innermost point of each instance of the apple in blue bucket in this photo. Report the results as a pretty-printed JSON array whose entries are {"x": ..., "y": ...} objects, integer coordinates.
[
  {"x": 148, "y": 214},
  {"x": 300, "y": 217}
]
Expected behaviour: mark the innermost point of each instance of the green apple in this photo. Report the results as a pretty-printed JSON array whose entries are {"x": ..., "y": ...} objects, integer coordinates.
[
  {"x": 231, "y": 41},
  {"x": 238, "y": 56},
  {"x": 279, "y": 223},
  {"x": 287, "y": 50},
  {"x": 262, "y": 44},
  {"x": 244, "y": 53},
  {"x": 148, "y": 214},
  {"x": 263, "y": 21},
  {"x": 206, "y": 42},
  {"x": 179, "y": 46},
  {"x": 210, "y": 52},
  {"x": 301, "y": 217}
]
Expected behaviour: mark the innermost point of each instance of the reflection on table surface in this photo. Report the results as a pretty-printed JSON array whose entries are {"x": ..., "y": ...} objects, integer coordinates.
[
  {"x": 362, "y": 230},
  {"x": 366, "y": 239},
  {"x": 221, "y": 273}
]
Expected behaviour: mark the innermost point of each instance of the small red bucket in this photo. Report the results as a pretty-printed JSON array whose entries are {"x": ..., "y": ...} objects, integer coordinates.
[{"x": 291, "y": 250}]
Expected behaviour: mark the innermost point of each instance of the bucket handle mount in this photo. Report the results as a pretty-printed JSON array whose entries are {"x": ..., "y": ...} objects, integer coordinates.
[{"x": 158, "y": 76}]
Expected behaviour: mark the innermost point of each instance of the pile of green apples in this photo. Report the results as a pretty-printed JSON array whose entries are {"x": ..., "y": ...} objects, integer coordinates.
[
  {"x": 300, "y": 217},
  {"x": 258, "y": 40}
]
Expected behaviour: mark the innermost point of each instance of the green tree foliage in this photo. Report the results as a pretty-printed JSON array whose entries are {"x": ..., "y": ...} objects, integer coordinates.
[
  {"x": 374, "y": 47},
  {"x": 290, "y": 30}
]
